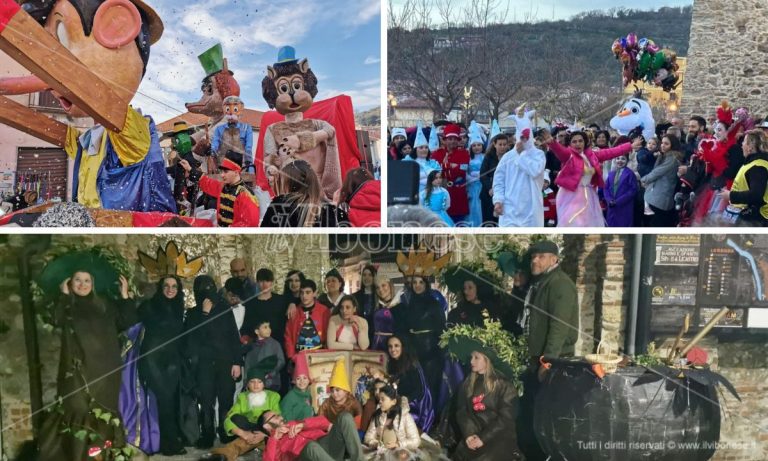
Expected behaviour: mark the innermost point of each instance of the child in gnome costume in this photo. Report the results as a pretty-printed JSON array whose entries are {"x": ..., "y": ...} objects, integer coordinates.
[
  {"x": 341, "y": 400},
  {"x": 242, "y": 419},
  {"x": 289, "y": 87},
  {"x": 297, "y": 403},
  {"x": 236, "y": 206}
]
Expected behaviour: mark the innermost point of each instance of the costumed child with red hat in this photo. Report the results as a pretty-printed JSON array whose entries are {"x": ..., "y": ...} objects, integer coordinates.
[
  {"x": 236, "y": 206},
  {"x": 297, "y": 403},
  {"x": 454, "y": 160}
]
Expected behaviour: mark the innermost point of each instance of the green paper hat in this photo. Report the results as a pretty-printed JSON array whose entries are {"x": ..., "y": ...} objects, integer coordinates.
[
  {"x": 511, "y": 263},
  {"x": 105, "y": 277},
  {"x": 261, "y": 369},
  {"x": 505, "y": 353},
  {"x": 485, "y": 281},
  {"x": 212, "y": 60}
]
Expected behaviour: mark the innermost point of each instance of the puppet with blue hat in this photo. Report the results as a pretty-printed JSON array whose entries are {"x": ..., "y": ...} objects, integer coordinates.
[
  {"x": 312, "y": 140},
  {"x": 426, "y": 165}
]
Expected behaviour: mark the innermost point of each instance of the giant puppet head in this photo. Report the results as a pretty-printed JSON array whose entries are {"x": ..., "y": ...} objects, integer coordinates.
[
  {"x": 233, "y": 107},
  {"x": 218, "y": 84},
  {"x": 290, "y": 85},
  {"x": 111, "y": 38},
  {"x": 636, "y": 116}
]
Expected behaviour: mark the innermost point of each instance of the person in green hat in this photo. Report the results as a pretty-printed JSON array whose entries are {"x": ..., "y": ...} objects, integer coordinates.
[
  {"x": 486, "y": 406},
  {"x": 242, "y": 419},
  {"x": 476, "y": 298},
  {"x": 93, "y": 305}
]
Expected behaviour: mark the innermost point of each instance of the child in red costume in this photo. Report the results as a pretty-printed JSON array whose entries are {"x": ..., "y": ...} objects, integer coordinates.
[
  {"x": 236, "y": 206},
  {"x": 454, "y": 160},
  {"x": 307, "y": 327}
]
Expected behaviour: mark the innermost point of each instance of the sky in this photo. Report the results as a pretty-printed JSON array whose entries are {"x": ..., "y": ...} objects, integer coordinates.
[
  {"x": 547, "y": 10},
  {"x": 340, "y": 38}
]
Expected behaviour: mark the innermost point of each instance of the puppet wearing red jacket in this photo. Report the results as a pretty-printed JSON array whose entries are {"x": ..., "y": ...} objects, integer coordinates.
[
  {"x": 236, "y": 206},
  {"x": 455, "y": 163}
]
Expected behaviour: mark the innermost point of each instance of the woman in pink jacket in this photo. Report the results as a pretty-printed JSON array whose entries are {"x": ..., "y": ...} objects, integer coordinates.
[{"x": 579, "y": 178}]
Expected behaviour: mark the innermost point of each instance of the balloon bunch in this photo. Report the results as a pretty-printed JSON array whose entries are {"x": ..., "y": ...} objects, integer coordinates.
[{"x": 642, "y": 59}]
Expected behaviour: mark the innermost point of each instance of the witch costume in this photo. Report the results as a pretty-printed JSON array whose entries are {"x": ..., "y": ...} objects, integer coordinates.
[
  {"x": 87, "y": 381},
  {"x": 486, "y": 405}
]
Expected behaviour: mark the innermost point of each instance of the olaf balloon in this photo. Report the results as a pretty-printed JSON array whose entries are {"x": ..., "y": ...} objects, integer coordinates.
[{"x": 635, "y": 115}]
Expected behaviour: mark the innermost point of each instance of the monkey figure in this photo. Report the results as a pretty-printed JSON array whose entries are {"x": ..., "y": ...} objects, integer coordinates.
[{"x": 290, "y": 87}]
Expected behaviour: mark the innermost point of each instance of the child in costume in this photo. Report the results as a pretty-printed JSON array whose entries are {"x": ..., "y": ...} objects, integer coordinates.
[
  {"x": 242, "y": 419},
  {"x": 619, "y": 192},
  {"x": 436, "y": 198},
  {"x": 297, "y": 403},
  {"x": 262, "y": 347},
  {"x": 426, "y": 164},
  {"x": 474, "y": 187},
  {"x": 236, "y": 206},
  {"x": 392, "y": 430},
  {"x": 341, "y": 399}
]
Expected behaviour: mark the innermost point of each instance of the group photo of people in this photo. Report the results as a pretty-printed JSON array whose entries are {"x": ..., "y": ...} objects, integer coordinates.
[{"x": 192, "y": 365}]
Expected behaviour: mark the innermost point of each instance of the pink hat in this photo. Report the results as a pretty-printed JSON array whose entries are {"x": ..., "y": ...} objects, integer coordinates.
[{"x": 302, "y": 368}]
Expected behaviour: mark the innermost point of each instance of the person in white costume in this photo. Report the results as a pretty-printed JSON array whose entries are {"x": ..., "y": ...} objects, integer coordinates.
[{"x": 519, "y": 178}]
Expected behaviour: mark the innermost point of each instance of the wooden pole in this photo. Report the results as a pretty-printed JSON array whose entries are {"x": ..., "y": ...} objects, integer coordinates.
[
  {"x": 30, "y": 329},
  {"x": 33, "y": 123}
]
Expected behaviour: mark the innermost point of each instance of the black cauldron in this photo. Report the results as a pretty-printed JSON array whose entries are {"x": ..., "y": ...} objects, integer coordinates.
[{"x": 580, "y": 417}]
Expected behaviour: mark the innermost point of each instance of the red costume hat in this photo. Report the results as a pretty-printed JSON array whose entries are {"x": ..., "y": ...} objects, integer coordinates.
[
  {"x": 302, "y": 368},
  {"x": 232, "y": 161},
  {"x": 452, "y": 130}
]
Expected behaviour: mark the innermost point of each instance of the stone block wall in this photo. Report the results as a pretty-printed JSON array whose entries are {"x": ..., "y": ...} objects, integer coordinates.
[{"x": 727, "y": 57}]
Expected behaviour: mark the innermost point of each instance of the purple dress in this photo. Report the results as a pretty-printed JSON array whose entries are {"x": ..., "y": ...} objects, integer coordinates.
[
  {"x": 137, "y": 404},
  {"x": 383, "y": 327}
]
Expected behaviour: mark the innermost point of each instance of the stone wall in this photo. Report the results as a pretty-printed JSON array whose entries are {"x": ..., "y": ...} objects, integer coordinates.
[{"x": 727, "y": 57}]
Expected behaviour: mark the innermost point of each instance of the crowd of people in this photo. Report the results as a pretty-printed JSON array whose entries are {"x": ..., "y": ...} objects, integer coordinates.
[
  {"x": 233, "y": 365},
  {"x": 299, "y": 201},
  {"x": 695, "y": 174}
]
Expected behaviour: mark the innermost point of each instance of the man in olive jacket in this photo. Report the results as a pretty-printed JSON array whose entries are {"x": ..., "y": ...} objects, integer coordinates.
[
  {"x": 552, "y": 305},
  {"x": 551, "y": 319}
]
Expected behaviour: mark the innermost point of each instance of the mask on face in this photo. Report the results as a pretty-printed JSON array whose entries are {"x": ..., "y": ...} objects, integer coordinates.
[{"x": 182, "y": 142}]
